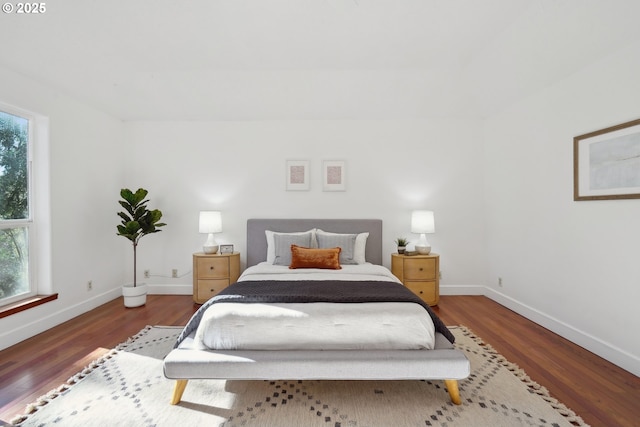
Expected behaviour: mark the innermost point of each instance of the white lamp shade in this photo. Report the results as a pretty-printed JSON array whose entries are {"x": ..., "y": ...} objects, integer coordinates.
[
  {"x": 422, "y": 222},
  {"x": 210, "y": 222}
]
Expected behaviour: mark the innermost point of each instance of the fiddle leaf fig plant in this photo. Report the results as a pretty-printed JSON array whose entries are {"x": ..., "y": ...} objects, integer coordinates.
[{"x": 137, "y": 220}]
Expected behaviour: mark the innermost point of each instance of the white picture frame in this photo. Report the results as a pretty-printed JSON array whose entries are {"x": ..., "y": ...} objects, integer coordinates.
[
  {"x": 334, "y": 175},
  {"x": 606, "y": 163},
  {"x": 297, "y": 175},
  {"x": 226, "y": 249}
]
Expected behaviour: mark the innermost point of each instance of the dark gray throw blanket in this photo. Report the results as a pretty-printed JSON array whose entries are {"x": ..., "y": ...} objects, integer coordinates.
[{"x": 309, "y": 291}]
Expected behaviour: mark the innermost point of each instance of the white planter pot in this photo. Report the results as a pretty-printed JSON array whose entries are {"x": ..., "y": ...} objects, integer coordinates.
[{"x": 134, "y": 296}]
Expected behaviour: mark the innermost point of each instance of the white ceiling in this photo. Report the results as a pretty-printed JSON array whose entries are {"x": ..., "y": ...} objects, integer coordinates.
[{"x": 311, "y": 59}]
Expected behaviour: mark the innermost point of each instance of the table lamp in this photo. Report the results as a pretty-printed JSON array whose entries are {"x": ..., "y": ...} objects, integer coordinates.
[
  {"x": 422, "y": 222},
  {"x": 210, "y": 222}
]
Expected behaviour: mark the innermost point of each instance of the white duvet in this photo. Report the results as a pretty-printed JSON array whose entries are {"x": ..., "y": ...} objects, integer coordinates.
[
  {"x": 265, "y": 271},
  {"x": 316, "y": 326}
]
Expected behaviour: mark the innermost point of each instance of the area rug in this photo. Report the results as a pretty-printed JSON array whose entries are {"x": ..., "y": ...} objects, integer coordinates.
[{"x": 127, "y": 388}]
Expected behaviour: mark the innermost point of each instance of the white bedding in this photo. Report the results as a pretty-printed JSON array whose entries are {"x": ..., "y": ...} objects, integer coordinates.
[
  {"x": 316, "y": 326},
  {"x": 266, "y": 271}
]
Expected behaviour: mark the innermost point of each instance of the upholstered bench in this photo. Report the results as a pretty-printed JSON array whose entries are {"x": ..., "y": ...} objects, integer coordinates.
[{"x": 442, "y": 363}]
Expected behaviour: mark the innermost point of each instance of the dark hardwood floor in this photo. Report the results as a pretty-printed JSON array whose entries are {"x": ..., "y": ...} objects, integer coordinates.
[{"x": 600, "y": 392}]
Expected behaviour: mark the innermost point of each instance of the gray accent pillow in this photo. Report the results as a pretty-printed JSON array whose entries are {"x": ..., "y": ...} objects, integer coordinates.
[
  {"x": 346, "y": 242},
  {"x": 283, "y": 242}
]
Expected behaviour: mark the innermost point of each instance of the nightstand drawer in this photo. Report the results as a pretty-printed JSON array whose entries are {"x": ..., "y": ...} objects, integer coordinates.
[
  {"x": 213, "y": 267},
  {"x": 419, "y": 273},
  {"x": 419, "y": 269},
  {"x": 209, "y": 288},
  {"x": 212, "y": 273},
  {"x": 425, "y": 290}
]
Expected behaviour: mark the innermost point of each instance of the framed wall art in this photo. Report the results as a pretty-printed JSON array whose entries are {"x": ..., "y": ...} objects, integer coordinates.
[
  {"x": 297, "y": 175},
  {"x": 226, "y": 249},
  {"x": 334, "y": 175},
  {"x": 606, "y": 163}
]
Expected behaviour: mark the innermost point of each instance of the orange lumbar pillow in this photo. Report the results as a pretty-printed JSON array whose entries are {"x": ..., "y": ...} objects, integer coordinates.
[{"x": 302, "y": 257}]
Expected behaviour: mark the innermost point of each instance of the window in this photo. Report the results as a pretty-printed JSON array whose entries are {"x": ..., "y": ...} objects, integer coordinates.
[{"x": 16, "y": 219}]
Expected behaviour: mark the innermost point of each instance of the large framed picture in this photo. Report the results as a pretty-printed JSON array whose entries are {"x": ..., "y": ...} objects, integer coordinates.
[
  {"x": 606, "y": 163},
  {"x": 334, "y": 175},
  {"x": 297, "y": 175}
]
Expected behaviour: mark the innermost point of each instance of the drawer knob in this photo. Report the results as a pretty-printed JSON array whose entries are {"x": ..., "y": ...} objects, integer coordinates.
[
  {"x": 211, "y": 268},
  {"x": 421, "y": 292},
  {"x": 421, "y": 268}
]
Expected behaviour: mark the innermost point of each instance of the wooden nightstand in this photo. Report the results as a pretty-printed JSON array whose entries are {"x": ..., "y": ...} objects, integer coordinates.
[
  {"x": 420, "y": 273},
  {"x": 212, "y": 273}
]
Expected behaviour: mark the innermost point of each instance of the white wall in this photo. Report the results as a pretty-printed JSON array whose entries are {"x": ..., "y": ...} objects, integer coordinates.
[
  {"x": 238, "y": 168},
  {"x": 501, "y": 191},
  {"x": 393, "y": 167},
  {"x": 85, "y": 175},
  {"x": 572, "y": 266}
]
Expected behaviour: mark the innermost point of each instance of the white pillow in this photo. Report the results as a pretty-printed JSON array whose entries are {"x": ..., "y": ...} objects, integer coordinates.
[
  {"x": 271, "y": 245},
  {"x": 359, "y": 250}
]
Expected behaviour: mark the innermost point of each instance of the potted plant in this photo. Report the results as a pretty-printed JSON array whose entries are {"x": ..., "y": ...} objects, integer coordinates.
[
  {"x": 402, "y": 243},
  {"x": 137, "y": 222}
]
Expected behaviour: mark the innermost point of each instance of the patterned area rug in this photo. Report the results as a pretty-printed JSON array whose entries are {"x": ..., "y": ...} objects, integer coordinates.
[{"x": 127, "y": 388}]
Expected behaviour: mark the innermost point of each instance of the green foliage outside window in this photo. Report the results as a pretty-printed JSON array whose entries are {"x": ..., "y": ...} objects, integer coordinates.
[{"x": 14, "y": 204}]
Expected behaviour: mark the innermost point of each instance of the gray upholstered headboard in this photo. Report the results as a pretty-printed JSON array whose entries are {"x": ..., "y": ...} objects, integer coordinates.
[{"x": 257, "y": 241}]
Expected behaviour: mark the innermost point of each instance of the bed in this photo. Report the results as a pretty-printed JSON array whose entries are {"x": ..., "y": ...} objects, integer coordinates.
[{"x": 336, "y": 302}]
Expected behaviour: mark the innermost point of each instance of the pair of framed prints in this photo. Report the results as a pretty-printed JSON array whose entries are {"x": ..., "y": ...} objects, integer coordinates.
[{"x": 333, "y": 175}]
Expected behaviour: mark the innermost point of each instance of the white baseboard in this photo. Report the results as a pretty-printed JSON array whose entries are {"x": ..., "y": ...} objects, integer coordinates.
[
  {"x": 608, "y": 351},
  {"x": 40, "y": 325},
  {"x": 35, "y": 327},
  {"x": 603, "y": 349}
]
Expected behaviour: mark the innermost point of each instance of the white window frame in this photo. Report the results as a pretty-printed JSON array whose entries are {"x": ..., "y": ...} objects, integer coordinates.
[{"x": 38, "y": 223}]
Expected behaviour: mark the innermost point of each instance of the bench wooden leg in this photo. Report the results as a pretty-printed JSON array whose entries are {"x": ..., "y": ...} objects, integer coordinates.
[
  {"x": 178, "y": 390},
  {"x": 452, "y": 388}
]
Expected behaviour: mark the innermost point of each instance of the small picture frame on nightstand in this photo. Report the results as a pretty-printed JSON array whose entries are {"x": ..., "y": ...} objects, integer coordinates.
[{"x": 226, "y": 249}]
